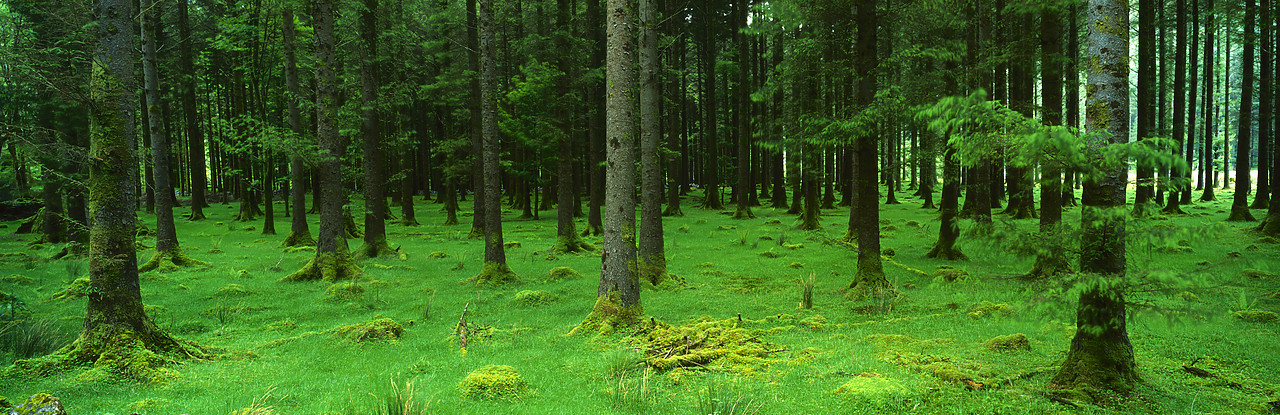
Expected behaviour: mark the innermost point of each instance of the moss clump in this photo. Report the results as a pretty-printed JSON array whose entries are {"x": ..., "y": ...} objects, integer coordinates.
[
  {"x": 437, "y": 255},
  {"x": 795, "y": 265},
  {"x": 1256, "y": 316},
  {"x": 530, "y": 298},
  {"x": 76, "y": 289},
  {"x": 494, "y": 382},
  {"x": 707, "y": 343},
  {"x": 297, "y": 249},
  {"x": 771, "y": 254},
  {"x": 328, "y": 266},
  {"x": 1257, "y": 274},
  {"x": 608, "y": 315},
  {"x": 494, "y": 273},
  {"x": 383, "y": 329},
  {"x": 343, "y": 291},
  {"x": 511, "y": 245},
  {"x": 987, "y": 308},
  {"x": 232, "y": 290},
  {"x": 149, "y": 405},
  {"x": 562, "y": 273},
  {"x": 1016, "y": 341},
  {"x": 950, "y": 274},
  {"x": 815, "y": 322},
  {"x": 40, "y": 404},
  {"x": 168, "y": 261},
  {"x": 17, "y": 279},
  {"x": 1188, "y": 297},
  {"x": 792, "y": 246},
  {"x": 869, "y": 386}
]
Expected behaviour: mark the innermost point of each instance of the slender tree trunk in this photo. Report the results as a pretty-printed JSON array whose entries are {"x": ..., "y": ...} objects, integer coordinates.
[
  {"x": 1049, "y": 260},
  {"x": 1244, "y": 132},
  {"x": 870, "y": 273},
  {"x": 1146, "y": 116},
  {"x": 596, "y": 121},
  {"x": 495, "y": 269},
  {"x": 195, "y": 135},
  {"x": 567, "y": 239},
  {"x": 1101, "y": 356},
  {"x": 375, "y": 199},
  {"x": 333, "y": 256},
  {"x": 745, "y": 191},
  {"x": 1207, "y": 152},
  {"x": 477, "y": 145},
  {"x": 1174, "y": 204},
  {"x": 1191, "y": 114},
  {"x": 653, "y": 260},
  {"x": 675, "y": 93},
  {"x": 1266, "y": 106},
  {"x": 299, "y": 230}
]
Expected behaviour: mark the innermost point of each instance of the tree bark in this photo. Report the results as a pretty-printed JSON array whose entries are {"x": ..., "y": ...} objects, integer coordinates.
[
  {"x": 1266, "y": 106},
  {"x": 870, "y": 273},
  {"x": 745, "y": 191},
  {"x": 1174, "y": 203},
  {"x": 1244, "y": 132},
  {"x": 1049, "y": 260},
  {"x": 1146, "y": 104},
  {"x": 375, "y": 198},
  {"x": 653, "y": 260},
  {"x": 1206, "y": 154},
  {"x": 1101, "y": 356},
  {"x": 195, "y": 135},
  {"x": 299, "y": 230}
]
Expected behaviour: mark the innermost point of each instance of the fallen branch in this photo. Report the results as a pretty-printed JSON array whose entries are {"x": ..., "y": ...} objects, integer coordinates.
[{"x": 461, "y": 329}]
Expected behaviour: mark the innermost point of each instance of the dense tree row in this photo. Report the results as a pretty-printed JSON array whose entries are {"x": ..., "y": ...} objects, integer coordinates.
[{"x": 540, "y": 104}]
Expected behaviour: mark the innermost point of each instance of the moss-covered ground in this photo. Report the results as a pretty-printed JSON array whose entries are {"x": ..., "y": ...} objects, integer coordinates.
[{"x": 733, "y": 333}]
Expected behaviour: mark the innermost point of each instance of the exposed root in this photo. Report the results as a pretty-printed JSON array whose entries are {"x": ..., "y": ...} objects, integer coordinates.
[
  {"x": 608, "y": 316},
  {"x": 298, "y": 239},
  {"x": 327, "y": 266},
  {"x": 494, "y": 273},
  {"x": 170, "y": 260}
]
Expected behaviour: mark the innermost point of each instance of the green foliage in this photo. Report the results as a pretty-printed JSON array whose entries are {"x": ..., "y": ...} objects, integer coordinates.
[{"x": 714, "y": 399}]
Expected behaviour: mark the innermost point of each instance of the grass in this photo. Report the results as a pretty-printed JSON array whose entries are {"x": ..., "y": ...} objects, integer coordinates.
[{"x": 300, "y": 367}]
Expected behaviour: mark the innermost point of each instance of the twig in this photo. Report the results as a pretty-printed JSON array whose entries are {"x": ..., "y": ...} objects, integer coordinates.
[{"x": 462, "y": 326}]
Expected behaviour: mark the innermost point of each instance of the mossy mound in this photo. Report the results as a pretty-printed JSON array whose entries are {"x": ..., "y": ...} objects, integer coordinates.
[
  {"x": 437, "y": 255},
  {"x": 74, "y": 290},
  {"x": 870, "y": 386},
  {"x": 511, "y": 245},
  {"x": 115, "y": 354},
  {"x": 232, "y": 290},
  {"x": 792, "y": 246},
  {"x": 563, "y": 273},
  {"x": 1258, "y": 274},
  {"x": 921, "y": 356},
  {"x": 1188, "y": 296},
  {"x": 1016, "y": 341},
  {"x": 494, "y": 382},
  {"x": 150, "y": 406},
  {"x": 531, "y": 298},
  {"x": 708, "y": 343},
  {"x": 383, "y": 329},
  {"x": 343, "y": 291},
  {"x": 1256, "y": 316},
  {"x": 17, "y": 279},
  {"x": 608, "y": 315},
  {"x": 950, "y": 274},
  {"x": 771, "y": 254},
  {"x": 40, "y": 404},
  {"x": 987, "y": 308},
  {"x": 493, "y": 274},
  {"x": 169, "y": 261},
  {"x": 795, "y": 265}
]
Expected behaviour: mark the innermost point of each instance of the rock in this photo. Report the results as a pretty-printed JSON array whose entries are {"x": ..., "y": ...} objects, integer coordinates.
[
  {"x": 493, "y": 382},
  {"x": 39, "y": 404},
  {"x": 1016, "y": 341}
]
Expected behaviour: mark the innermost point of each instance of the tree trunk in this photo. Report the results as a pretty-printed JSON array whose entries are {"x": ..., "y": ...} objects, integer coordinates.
[
  {"x": 653, "y": 260},
  {"x": 375, "y": 198},
  {"x": 675, "y": 92},
  {"x": 708, "y": 53},
  {"x": 495, "y": 271},
  {"x": 870, "y": 273},
  {"x": 1244, "y": 132},
  {"x": 1191, "y": 114},
  {"x": 1049, "y": 260},
  {"x": 195, "y": 135},
  {"x": 595, "y": 120},
  {"x": 1206, "y": 165},
  {"x": 618, "y": 298},
  {"x": 299, "y": 230},
  {"x": 567, "y": 239},
  {"x": 949, "y": 226},
  {"x": 1101, "y": 357},
  {"x": 1266, "y": 79},
  {"x": 1174, "y": 203},
  {"x": 477, "y": 144},
  {"x": 333, "y": 256},
  {"x": 1146, "y": 116},
  {"x": 745, "y": 192}
]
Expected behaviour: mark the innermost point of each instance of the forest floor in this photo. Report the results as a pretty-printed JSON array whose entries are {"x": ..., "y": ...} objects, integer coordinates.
[{"x": 733, "y": 338}]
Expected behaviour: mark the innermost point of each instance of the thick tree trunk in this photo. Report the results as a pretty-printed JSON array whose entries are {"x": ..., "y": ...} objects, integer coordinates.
[
  {"x": 374, "y": 174},
  {"x": 745, "y": 191},
  {"x": 1101, "y": 357},
  {"x": 1266, "y": 107},
  {"x": 1244, "y": 132},
  {"x": 195, "y": 135},
  {"x": 1146, "y": 104},
  {"x": 870, "y": 273},
  {"x": 1049, "y": 260}
]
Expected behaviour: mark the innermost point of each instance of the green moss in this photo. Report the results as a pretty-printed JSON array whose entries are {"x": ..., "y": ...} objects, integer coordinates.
[
  {"x": 494, "y": 382},
  {"x": 950, "y": 274},
  {"x": 232, "y": 290},
  {"x": 382, "y": 329},
  {"x": 870, "y": 386},
  {"x": 76, "y": 289},
  {"x": 792, "y": 246},
  {"x": 1256, "y": 316},
  {"x": 40, "y": 404},
  {"x": 987, "y": 308},
  {"x": 437, "y": 255},
  {"x": 708, "y": 343},
  {"x": 771, "y": 254},
  {"x": 494, "y": 274},
  {"x": 150, "y": 405},
  {"x": 511, "y": 245},
  {"x": 343, "y": 291},
  {"x": 814, "y": 322},
  {"x": 17, "y": 279},
  {"x": 795, "y": 265},
  {"x": 327, "y": 266},
  {"x": 1016, "y": 341},
  {"x": 562, "y": 273},
  {"x": 608, "y": 315},
  {"x": 1188, "y": 297},
  {"x": 530, "y": 298},
  {"x": 1257, "y": 274}
]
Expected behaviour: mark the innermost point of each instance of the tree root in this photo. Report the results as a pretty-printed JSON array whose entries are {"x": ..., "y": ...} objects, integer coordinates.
[{"x": 170, "y": 260}]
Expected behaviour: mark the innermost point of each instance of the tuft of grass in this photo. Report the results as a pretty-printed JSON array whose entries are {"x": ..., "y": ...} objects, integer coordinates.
[
  {"x": 399, "y": 399},
  {"x": 74, "y": 269},
  {"x": 715, "y": 400},
  {"x": 743, "y": 236},
  {"x": 29, "y": 338},
  {"x": 806, "y": 291},
  {"x": 259, "y": 405}
]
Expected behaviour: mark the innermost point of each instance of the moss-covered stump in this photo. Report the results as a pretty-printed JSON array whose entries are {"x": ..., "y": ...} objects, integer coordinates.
[
  {"x": 708, "y": 343},
  {"x": 608, "y": 315},
  {"x": 1017, "y": 341},
  {"x": 343, "y": 291},
  {"x": 327, "y": 266},
  {"x": 383, "y": 329},
  {"x": 74, "y": 290},
  {"x": 533, "y": 298},
  {"x": 571, "y": 244},
  {"x": 1256, "y": 316},
  {"x": 298, "y": 239},
  {"x": 562, "y": 273},
  {"x": 39, "y": 404},
  {"x": 170, "y": 260},
  {"x": 494, "y": 382},
  {"x": 31, "y": 223},
  {"x": 493, "y": 274}
]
